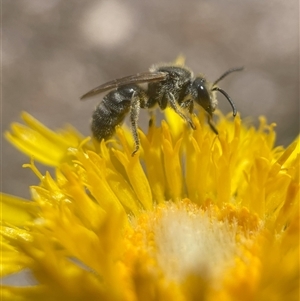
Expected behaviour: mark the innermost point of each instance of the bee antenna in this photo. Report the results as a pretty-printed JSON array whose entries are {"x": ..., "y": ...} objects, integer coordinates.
[
  {"x": 228, "y": 98},
  {"x": 226, "y": 73}
]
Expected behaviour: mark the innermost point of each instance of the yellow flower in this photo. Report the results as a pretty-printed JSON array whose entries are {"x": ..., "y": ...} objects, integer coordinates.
[{"x": 192, "y": 216}]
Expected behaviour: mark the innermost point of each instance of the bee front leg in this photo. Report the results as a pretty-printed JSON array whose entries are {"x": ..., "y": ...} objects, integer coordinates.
[
  {"x": 134, "y": 115},
  {"x": 175, "y": 107},
  {"x": 191, "y": 106},
  {"x": 151, "y": 119},
  {"x": 211, "y": 125}
]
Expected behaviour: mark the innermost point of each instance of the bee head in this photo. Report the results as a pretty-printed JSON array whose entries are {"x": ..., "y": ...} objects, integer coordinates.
[
  {"x": 205, "y": 92},
  {"x": 204, "y": 95}
]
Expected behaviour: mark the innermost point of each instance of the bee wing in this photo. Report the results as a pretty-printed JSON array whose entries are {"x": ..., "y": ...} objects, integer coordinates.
[{"x": 145, "y": 77}]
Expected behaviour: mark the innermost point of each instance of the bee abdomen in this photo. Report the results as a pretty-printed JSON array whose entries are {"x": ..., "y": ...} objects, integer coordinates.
[{"x": 111, "y": 112}]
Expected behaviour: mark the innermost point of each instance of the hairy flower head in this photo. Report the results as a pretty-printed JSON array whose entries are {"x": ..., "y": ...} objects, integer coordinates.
[{"x": 192, "y": 216}]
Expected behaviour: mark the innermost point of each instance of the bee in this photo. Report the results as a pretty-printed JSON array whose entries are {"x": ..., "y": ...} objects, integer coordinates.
[{"x": 167, "y": 86}]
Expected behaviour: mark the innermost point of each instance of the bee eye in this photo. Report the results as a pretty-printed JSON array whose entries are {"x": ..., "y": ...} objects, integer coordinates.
[{"x": 203, "y": 97}]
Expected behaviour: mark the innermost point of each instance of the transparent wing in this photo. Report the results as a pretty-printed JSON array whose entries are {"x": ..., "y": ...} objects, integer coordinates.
[{"x": 145, "y": 77}]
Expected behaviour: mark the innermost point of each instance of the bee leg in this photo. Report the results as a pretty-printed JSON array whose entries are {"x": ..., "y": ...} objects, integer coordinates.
[
  {"x": 212, "y": 126},
  {"x": 174, "y": 106},
  {"x": 152, "y": 119},
  {"x": 191, "y": 106},
  {"x": 134, "y": 114}
]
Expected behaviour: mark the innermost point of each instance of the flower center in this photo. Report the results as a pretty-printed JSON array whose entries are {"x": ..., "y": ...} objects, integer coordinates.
[
  {"x": 190, "y": 240},
  {"x": 185, "y": 239}
]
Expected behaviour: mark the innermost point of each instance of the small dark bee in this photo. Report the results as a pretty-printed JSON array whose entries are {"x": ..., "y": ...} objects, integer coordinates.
[{"x": 168, "y": 85}]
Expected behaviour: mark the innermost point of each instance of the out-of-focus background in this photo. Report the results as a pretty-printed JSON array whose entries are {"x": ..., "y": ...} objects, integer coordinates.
[{"x": 54, "y": 51}]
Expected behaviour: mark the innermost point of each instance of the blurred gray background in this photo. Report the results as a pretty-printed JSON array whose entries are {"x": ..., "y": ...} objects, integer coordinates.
[{"x": 54, "y": 51}]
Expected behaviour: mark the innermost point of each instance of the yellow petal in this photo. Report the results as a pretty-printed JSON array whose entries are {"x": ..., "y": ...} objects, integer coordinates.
[
  {"x": 39, "y": 142},
  {"x": 172, "y": 163},
  {"x": 154, "y": 163},
  {"x": 135, "y": 173},
  {"x": 17, "y": 211}
]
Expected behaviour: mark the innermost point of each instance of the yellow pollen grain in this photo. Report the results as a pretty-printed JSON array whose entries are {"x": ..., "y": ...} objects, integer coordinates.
[{"x": 185, "y": 239}]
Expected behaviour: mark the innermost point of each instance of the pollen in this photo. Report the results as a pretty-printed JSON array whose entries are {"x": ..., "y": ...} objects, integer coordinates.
[{"x": 205, "y": 245}]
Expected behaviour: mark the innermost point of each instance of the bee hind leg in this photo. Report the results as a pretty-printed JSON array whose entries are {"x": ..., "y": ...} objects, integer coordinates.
[{"x": 134, "y": 115}]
